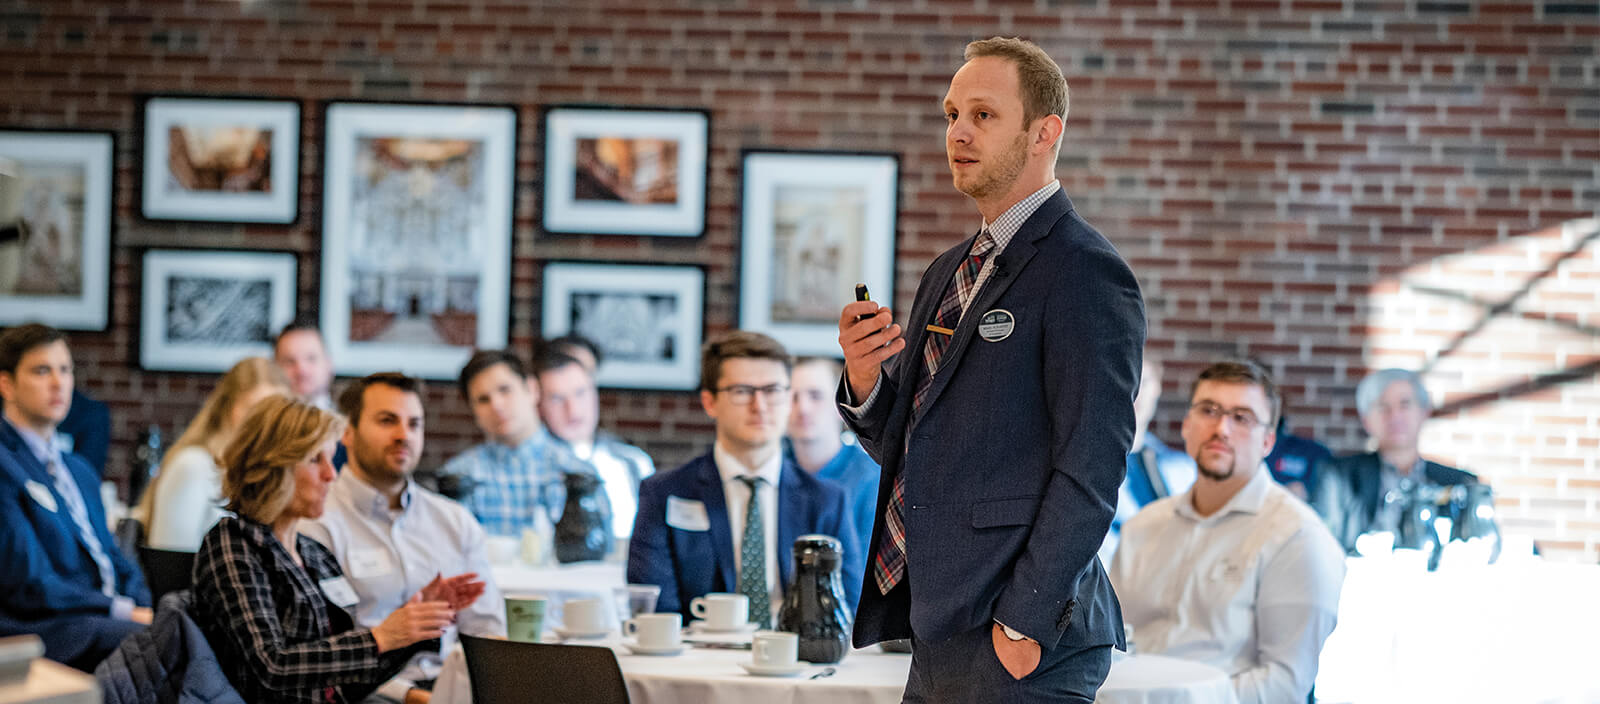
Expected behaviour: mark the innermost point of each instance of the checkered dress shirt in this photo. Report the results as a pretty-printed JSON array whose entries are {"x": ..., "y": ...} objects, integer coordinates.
[
  {"x": 274, "y": 632},
  {"x": 510, "y": 484}
]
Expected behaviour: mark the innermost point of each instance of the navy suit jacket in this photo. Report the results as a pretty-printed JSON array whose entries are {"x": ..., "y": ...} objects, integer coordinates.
[
  {"x": 691, "y": 563},
  {"x": 45, "y": 568},
  {"x": 1012, "y": 471}
]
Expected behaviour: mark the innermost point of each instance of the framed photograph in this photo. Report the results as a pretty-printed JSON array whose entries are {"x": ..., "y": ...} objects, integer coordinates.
[
  {"x": 221, "y": 160},
  {"x": 203, "y": 310},
  {"x": 626, "y": 171},
  {"x": 55, "y": 228},
  {"x": 416, "y": 235},
  {"x": 647, "y": 319},
  {"x": 814, "y": 225}
]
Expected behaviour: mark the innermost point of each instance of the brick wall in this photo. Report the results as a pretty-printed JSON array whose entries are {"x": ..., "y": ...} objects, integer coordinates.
[{"x": 1328, "y": 185}]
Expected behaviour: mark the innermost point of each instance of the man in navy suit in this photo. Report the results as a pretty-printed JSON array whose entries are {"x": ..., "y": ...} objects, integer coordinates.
[
  {"x": 697, "y": 530},
  {"x": 61, "y": 575},
  {"x": 1003, "y": 417}
]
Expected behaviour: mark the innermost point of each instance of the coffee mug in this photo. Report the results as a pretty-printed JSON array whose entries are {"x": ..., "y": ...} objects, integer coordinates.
[
  {"x": 722, "y": 612},
  {"x": 774, "y": 648},
  {"x": 524, "y": 617},
  {"x": 584, "y": 615},
  {"x": 655, "y": 630}
]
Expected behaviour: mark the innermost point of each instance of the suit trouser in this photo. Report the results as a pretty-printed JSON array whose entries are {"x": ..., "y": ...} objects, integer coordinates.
[
  {"x": 965, "y": 669},
  {"x": 81, "y": 641}
]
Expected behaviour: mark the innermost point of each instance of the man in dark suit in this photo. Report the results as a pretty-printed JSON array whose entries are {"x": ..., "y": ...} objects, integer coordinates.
[
  {"x": 698, "y": 531},
  {"x": 61, "y": 575},
  {"x": 1004, "y": 421},
  {"x": 1368, "y": 492}
]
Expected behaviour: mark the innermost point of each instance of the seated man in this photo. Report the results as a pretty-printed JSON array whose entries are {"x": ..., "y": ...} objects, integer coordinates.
[
  {"x": 300, "y": 351},
  {"x": 577, "y": 347},
  {"x": 1368, "y": 492},
  {"x": 517, "y": 473},
  {"x": 61, "y": 574},
  {"x": 1155, "y": 471},
  {"x": 569, "y": 403},
  {"x": 391, "y": 537},
  {"x": 816, "y": 434},
  {"x": 698, "y": 529},
  {"x": 1236, "y": 572}
]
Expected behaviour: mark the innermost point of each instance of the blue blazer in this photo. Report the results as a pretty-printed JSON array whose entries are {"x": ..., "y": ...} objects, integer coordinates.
[
  {"x": 691, "y": 563},
  {"x": 1013, "y": 469},
  {"x": 45, "y": 567}
]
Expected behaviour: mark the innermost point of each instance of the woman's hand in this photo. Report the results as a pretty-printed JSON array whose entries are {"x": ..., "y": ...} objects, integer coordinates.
[
  {"x": 459, "y": 591},
  {"x": 414, "y": 622}
]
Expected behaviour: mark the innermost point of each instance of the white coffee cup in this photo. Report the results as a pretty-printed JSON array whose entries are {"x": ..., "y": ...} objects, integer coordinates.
[
  {"x": 774, "y": 648},
  {"x": 584, "y": 615},
  {"x": 721, "y": 612},
  {"x": 657, "y": 630}
]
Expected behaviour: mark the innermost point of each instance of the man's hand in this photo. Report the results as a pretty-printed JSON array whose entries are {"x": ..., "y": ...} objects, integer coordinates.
[
  {"x": 866, "y": 344},
  {"x": 418, "y": 696},
  {"x": 142, "y": 614},
  {"x": 458, "y": 591},
  {"x": 1020, "y": 657}
]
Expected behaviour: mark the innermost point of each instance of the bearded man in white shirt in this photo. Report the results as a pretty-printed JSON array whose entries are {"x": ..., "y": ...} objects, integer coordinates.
[
  {"x": 1236, "y": 572},
  {"x": 392, "y": 537}
]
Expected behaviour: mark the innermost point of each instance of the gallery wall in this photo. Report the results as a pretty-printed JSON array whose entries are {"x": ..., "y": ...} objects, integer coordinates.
[{"x": 1329, "y": 186}]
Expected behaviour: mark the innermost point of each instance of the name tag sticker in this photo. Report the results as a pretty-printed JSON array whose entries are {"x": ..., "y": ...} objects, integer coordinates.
[
  {"x": 42, "y": 495},
  {"x": 996, "y": 325},
  {"x": 339, "y": 591},
  {"x": 366, "y": 564},
  {"x": 687, "y": 514}
]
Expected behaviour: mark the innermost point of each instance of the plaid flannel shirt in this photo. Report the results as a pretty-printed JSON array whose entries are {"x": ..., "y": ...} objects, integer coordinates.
[
  {"x": 511, "y": 484},
  {"x": 274, "y": 632}
]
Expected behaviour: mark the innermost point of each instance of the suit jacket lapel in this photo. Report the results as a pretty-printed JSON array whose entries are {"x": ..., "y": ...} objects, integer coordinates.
[
  {"x": 34, "y": 471},
  {"x": 717, "y": 512}
]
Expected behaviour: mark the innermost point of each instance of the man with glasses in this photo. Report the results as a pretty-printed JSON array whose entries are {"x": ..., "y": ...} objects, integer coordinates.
[
  {"x": 725, "y": 522},
  {"x": 1235, "y": 572}
]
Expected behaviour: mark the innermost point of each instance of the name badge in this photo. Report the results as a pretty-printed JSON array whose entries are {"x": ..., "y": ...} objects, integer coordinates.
[
  {"x": 366, "y": 564},
  {"x": 996, "y": 325},
  {"x": 687, "y": 514},
  {"x": 41, "y": 495},
  {"x": 339, "y": 592}
]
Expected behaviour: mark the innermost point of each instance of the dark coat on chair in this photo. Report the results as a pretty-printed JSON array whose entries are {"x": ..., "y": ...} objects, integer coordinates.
[{"x": 170, "y": 663}]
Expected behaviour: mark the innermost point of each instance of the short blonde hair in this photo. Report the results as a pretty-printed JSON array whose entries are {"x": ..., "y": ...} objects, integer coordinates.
[
  {"x": 1044, "y": 88},
  {"x": 258, "y": 464}
]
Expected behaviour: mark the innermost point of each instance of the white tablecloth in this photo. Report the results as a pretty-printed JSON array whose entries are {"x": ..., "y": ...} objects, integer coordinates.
[
  {"x": 51, "y": 683},
  {"x": 703, "y": 676},
  {"x": 560, "y": 583}
]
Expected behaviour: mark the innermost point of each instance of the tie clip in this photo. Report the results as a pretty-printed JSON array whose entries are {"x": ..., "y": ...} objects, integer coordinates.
[{"x": 941, "y": 331}]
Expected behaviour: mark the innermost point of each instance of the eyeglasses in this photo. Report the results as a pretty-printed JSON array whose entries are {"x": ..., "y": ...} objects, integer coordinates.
[
  {"x": 1213, "y": 413},
  {"x": 745, "y": 393}
]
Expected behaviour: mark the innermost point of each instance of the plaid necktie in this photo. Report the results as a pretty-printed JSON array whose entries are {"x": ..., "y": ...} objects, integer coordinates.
[
  {"x": 753, "y": 557},
  {"x": 889, "y": 565},
  {"x": 78, "y": 511}
]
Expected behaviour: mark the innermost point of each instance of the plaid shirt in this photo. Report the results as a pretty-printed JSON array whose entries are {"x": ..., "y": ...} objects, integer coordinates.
[
  {"x": 511, "y": 484},
  {"x": 274, "y": 632}
]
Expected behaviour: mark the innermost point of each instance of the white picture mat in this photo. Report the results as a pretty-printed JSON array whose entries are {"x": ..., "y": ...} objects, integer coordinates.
[
  {"x": 562, "y": 213},
  {"x": 347, "y": 123},
  {"x": 764, "y": 173},
  {"x": 278, "y": 206},
  {"x": 88, "y": 310},
  {"x": 155, "y": 352},
  {"x": 685, "y": 283}
]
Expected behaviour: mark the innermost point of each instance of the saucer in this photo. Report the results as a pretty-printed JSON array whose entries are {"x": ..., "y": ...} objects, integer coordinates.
[
  {"x": 581, "y": 635},
  {"x": 774, "y": 670},
  {"x": 703, "y": 627},
  {"x": 637, "y": 649}
]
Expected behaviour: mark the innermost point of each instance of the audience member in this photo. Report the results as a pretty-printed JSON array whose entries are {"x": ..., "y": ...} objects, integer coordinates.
[
  {"x": 303, "y": 355},
  {"x": 726, "y": 521},
  {"x": 1370, "y": 491},
  {"x": 1235, "y": 572},
  {"x": 822, "y": 447},
  {"x": 1155, "y": 471},
  {"x": 517, "y": 473},
  {"x": 392, "y": 537},
  {"x": 185, "y": 499},
  {"x": 61, "y": 574},
  {"x": 271, "y": 602},
  {"x": 1294, "y": 460},
  {"x": 577, "y": 347},
  {"x": 569, "y": 403}
]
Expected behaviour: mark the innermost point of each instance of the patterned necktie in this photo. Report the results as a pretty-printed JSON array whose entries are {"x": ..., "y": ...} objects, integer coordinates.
[
  {"x": 753, "y": 557},
  {"x": 76, "y": 509},
  {"x": 889, "y": 565}
]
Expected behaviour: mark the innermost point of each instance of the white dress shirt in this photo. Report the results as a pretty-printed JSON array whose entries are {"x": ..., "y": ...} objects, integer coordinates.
[
  {"x": 737, "y": 494},
  {"x": 620, "y": 487},
  {"x": 388, "y": 555},
  {"x": 1252, "y": 589},
  {"x": 188, "y": 501}
]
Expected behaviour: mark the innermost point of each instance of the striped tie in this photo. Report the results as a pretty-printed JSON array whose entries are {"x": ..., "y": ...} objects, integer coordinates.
[{"x": 889, "y": 565}]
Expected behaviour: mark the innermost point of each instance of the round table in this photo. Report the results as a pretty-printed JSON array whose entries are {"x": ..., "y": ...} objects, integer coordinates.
[{"x": 561, "y": 583}]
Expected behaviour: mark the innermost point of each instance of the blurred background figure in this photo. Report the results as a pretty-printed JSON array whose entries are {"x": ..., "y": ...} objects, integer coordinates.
[
  {"x": 819, "y": 444},
  {"x": 569, "y": 403}
]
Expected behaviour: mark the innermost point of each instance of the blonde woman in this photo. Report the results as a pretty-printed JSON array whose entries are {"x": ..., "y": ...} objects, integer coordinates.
[
  {"x": 271, "y": 602},
  {"x": 183, "y": 502}
]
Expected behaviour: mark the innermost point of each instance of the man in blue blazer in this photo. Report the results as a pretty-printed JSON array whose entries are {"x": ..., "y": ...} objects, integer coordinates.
[
  {"x": 61, "y": 574},
  {"x": 1003, "y": 417},
  {"x": 697, "y": 531}
]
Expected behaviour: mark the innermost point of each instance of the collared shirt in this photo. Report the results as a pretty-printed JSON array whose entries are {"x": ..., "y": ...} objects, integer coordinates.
[
  {"x": 515, "y": 488},
  {"x": 388, "y": 555},
  {"x": 737, "y": 494},
  {"x": 1252, "y": 589}
]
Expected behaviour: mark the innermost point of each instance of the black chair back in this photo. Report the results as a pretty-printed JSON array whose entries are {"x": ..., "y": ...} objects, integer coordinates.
[
  {"x": 166, "y": 571},
  {"x": 507, "y": 672}
]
